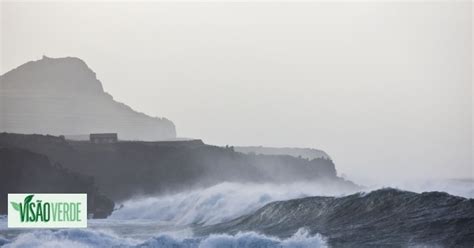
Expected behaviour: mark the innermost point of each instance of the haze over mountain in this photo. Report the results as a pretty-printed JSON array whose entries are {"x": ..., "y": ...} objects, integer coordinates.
[
  {"x": 384, "y": 87},
  {"x": 307, "y": 153},
  {"x": 62, "y": 96}
]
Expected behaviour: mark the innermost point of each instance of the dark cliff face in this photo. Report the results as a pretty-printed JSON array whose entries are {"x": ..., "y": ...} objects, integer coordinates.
[
  {"x": 64, "y": 97},
  {"x": 124, "y": 169},
  {"x": 382, "y": 218},
  {"x": 23, "y": 171}
]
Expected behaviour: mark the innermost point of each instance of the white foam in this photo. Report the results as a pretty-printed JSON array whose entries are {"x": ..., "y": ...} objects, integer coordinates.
[
  {"x": 300, "y": 239},
  {"x": 218, "y": 203},
  {"x": 68, "y": 238},
  {"x": 79, "y": 238}
]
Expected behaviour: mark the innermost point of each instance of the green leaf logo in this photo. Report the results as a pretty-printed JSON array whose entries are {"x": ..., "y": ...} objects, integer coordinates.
[
  {"x": 16, "y": 206},
  {"x": 28, "y": 199}
]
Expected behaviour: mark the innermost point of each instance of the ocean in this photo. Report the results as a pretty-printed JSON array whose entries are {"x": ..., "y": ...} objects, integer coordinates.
[{"x": 170, "y": 220}]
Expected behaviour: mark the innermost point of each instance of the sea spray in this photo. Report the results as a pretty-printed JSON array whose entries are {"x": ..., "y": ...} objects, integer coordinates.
[{"x": 218, "y": 203}]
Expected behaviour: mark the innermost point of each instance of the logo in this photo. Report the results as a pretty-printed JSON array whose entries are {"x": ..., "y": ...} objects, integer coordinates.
[{"x": 47, "y": 210}]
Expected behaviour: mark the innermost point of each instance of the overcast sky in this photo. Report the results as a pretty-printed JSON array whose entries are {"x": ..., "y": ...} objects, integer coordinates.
[{"x": 384, "y": 88}]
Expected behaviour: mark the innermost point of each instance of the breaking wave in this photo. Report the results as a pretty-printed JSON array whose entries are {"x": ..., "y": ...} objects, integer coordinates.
[
  {"x": 226, "y": 201},
  {"x": 382, "y": 218},
  {"x": 78, "y": 238},
  {"x": 218, "y": 203}
]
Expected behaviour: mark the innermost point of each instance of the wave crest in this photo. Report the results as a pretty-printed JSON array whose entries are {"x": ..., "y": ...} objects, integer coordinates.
[{"x": 218, "y": 203}]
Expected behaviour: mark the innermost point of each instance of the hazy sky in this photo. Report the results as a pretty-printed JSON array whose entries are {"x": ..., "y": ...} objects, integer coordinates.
[{"x": 384, "y": 88}]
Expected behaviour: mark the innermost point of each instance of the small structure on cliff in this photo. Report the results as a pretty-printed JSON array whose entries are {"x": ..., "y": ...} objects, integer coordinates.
[{"x": 103, "y": 138}]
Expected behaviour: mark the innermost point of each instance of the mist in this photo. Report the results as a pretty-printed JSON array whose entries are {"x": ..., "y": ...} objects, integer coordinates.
[
  {"x": 384, "y": 88},
  {"x": 220, "y": 202}
]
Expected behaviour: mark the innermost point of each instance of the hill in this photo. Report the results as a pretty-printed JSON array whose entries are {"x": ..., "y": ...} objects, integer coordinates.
[{"x": 62, "y": 96}]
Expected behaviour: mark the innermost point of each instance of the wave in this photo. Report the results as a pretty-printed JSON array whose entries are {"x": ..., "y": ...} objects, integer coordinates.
[
  {"x": 384, "y": 217},
  {"x": 3, "y": 241},
  {"x": 79, "y": 238},
  {"x": 218, "y": 203}
]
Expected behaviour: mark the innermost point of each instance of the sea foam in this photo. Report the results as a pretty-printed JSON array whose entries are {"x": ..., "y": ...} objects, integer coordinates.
[{"x": 78, "y": 238}]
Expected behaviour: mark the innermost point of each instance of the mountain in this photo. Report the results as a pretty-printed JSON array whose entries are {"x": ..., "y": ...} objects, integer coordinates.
[
  {"x": 307, "y": 153},
  {"x": 27, "y": 172},
  {"x": 62, "y": 96},
  {"x": 127, "y": 168},
  {"x": 381, "y": 218}
]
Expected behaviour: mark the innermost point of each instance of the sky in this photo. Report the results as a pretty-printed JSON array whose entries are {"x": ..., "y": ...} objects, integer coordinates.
[{"x": 384, "y": 88}]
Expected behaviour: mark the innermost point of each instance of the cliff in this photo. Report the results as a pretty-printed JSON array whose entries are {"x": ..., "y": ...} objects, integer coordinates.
[
  {"x": 128, "y": 168},
  {"x": 23, "y": 171},
  {"x": 62, "y": 96}
]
